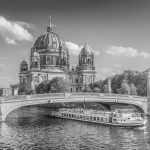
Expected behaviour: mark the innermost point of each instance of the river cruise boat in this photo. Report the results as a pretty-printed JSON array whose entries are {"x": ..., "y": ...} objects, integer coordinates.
[{"x": 118, "y": 117}]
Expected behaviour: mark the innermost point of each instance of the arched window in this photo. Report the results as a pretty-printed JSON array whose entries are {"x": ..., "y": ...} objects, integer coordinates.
[
  {"x": 89, "y": 61},
  {"x": 35, "y": 64}
]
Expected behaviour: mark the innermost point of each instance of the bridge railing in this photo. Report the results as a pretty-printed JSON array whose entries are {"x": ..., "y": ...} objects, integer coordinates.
[
  {"x": 84, "y": 94},
  {"x": 48, "y": 94}
]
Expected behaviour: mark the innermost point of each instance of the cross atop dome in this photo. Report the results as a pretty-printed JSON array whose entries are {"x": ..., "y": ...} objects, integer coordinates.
[{"x": 50, "y": 26}]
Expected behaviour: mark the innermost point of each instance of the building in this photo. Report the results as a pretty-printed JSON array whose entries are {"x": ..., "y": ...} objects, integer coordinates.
[
  {"x": 50, "y": 58},
  {"x": 5, "y": 92},
  {"x": 14, "y": 89}
]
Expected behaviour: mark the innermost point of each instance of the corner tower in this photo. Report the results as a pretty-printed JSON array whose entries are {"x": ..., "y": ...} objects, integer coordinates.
[
  {"x": 23, "y": 79},
  {"x": 86, "y": 66}
]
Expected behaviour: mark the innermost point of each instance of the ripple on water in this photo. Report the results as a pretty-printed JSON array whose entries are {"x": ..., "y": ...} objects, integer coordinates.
[{"x": 37, "y": 131}]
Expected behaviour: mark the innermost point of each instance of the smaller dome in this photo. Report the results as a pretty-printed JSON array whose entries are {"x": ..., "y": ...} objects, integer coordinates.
[
  {"x": 86, "y": 50},
  {"x": 23, "y": 66},
  {"x": 24, "y": 62}
]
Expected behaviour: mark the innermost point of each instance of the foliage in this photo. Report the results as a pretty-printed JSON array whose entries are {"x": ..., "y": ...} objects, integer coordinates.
[
  {"x": 87, "y": 89},
  {"x": 56, "y": 85},
  {"x": 96, "y": 90},
  {"x": 133, "y": 77},
  {"x": 133, "y": 89},
  {"x": 105, "y": 88},
  {"x": 125, "y": 88}
]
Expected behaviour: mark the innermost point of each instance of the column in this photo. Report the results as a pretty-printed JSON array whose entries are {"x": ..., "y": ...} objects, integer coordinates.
[{"x": 109, "y": 85}]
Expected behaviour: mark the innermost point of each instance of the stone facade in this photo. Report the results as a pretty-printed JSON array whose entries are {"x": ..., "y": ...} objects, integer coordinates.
[
  {"x": 50, "y": 58},
  {"x": 4, "y": 92}
]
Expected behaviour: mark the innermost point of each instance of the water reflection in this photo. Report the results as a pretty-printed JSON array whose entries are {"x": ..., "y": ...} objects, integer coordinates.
[{"x": 33, "y": 129}]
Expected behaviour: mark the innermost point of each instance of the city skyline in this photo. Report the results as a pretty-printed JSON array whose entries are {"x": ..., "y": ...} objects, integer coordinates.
[{"x": 118, "y": 32}]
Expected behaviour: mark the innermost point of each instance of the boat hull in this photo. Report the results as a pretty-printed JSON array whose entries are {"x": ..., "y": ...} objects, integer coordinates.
[{"x": 129, "y": 125}]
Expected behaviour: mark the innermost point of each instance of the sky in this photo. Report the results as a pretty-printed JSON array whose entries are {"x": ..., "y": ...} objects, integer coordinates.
[{"x": 117, "y": 30}]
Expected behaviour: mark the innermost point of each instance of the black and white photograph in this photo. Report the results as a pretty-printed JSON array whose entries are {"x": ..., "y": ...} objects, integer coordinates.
[{"x": 75, "y": 75}]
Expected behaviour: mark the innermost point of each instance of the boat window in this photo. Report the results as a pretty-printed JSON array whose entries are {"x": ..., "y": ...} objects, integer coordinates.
[
  {"x": 94, "y": 118},
  {"x": 98, "y": 118},
  {"x": 91, "y": 118}
]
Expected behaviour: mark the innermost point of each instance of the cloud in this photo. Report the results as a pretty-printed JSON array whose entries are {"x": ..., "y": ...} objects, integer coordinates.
[
  {"x": 2, "y": 65},
  {"x": 5, "y": 78},
  {"x": 26, "y": 25},
  {"x": 3, "y": 57},
  {"x": 96, "y": 52},
  {"x": 75, "y": 49},
  {"x": 117, "y": 65},
  {"x": 126, "y": 51},
  {"x": 12, "y": 32},
  {"x": 108, "y": 72}
]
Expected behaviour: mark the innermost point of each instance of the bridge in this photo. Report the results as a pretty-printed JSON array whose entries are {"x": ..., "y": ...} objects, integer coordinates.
[{"x": 8, "y": 104}]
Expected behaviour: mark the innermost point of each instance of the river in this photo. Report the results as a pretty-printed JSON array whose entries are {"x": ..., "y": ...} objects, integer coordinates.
[{"x": 30, "y": 128}]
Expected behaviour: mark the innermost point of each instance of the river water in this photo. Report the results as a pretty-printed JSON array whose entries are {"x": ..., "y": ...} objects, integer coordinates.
[{"x": 30, "y": 128}]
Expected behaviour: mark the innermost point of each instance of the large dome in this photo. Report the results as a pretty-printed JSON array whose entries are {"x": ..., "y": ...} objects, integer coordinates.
[
  {"x": 48, "y": 40},
  {"x": 50, "y": 51}
]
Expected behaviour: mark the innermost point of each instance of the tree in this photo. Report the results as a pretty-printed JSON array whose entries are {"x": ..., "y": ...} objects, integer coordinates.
[
  {"x": 87, "y": 89},
  {"x": 137, "y": 78},
  {"x": 105, "y": 88},
  {"x": 125, "y": 88},
  {"x": 133, "y": 89},
  {"x": 59, "y": 85},
  {"x": 56, "y": 85},
  {"x": 96, "y": 90},
  {"x": 43, "y": 87}
]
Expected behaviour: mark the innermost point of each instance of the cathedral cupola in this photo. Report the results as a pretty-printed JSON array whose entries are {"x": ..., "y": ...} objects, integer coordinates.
[
  {"x": 86, "y": 58},
  {"x": 86, "y": 50},
  {"x": 24, "y": 66},
  {"x": 52, "y": 50},
  {"x": 49, "y": 41}
]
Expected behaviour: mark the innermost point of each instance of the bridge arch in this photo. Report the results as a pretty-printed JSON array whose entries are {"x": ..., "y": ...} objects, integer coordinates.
[
  {"x": 6, "y": 110},
  {"x": 10, "y": 105}
]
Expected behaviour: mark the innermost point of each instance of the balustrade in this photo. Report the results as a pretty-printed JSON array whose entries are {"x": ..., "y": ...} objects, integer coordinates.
[{"x": 84, "y": 94}]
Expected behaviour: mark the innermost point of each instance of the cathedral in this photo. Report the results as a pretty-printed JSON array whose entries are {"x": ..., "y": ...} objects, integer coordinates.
[{"x": 49, "y": 58}]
